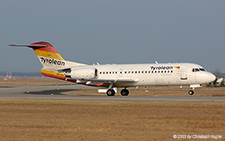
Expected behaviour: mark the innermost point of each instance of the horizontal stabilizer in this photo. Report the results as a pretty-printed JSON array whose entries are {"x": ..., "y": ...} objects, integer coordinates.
[{"x": 31, "y": 46}]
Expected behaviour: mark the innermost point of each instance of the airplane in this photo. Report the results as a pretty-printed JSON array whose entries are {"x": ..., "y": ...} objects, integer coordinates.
[{"x": 119, "y": 75}]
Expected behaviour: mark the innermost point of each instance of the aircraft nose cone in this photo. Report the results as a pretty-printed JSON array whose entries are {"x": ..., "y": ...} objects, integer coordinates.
[
  {"x": 205, "y": 77},
  {"x": 211, "y": 77}
]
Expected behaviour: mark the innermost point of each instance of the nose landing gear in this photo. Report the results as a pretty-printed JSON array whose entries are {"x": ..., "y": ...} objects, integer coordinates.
[{"x": 191, "y": 92}]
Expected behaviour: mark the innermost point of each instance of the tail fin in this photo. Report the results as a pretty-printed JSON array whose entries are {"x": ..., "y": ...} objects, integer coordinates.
[{"x": 48, "y": 56}]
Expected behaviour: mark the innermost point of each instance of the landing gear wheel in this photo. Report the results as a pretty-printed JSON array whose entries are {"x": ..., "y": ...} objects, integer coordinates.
[
  {"x": 191, "y": 92},
  {"x": 124, "y": 92},
  {"x": 110, "y": 92}
]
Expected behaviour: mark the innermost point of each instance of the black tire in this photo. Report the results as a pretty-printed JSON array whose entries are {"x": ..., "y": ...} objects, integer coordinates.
[
  {"x": 191, "y": 92},
  {"x": 124, "y": 92},
  {"x": 110, "y": 92}
]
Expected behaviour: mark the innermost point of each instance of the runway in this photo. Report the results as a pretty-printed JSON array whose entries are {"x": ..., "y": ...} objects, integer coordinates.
[{"x": 58, "y": 93}]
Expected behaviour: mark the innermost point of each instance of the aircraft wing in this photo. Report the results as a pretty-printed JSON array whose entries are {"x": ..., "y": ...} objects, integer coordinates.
[{"x": 106, "y": 82}]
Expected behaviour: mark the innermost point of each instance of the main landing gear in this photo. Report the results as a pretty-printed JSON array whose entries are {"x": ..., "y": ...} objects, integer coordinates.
[
  {"x": 110, "y": 92},
  {"x": 123, "y": 92}
]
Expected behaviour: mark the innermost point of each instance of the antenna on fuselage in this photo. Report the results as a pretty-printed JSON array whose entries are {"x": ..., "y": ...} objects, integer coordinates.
[{"x": 97, "y": 63}]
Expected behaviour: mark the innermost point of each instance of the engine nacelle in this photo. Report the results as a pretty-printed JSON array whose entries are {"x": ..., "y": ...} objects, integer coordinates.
[{"x": 90, "y": 73}]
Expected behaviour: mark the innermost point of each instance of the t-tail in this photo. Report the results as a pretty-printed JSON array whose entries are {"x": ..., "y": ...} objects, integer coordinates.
[{"x": 50, "y": 59}]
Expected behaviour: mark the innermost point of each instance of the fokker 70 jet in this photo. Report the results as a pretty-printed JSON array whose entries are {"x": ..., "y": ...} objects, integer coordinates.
[{"x": 122, "y": 75}]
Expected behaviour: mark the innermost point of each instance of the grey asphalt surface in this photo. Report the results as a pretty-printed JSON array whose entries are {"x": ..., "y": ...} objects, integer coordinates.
[{"x": 58, "y": 92}]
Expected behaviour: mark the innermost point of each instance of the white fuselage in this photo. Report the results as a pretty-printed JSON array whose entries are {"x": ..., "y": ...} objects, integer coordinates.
[{"x": 156, "y": 74}]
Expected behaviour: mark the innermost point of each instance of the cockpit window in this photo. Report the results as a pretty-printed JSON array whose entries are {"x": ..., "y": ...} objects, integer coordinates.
[
  {"x": 202, "y": 69},
  {"x": 195, "y": 69},
  {"x": 198, "y": 69}
]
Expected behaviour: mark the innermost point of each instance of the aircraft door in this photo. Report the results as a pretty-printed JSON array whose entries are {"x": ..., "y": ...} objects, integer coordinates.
[{"x": 183, "y": 74}]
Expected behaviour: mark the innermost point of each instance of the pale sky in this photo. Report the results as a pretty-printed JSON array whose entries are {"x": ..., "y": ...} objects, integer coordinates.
[{"x": 114, "y": 31}]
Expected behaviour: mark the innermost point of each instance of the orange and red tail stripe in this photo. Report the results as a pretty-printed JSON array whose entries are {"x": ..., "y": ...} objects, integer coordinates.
[{"x": 47, "y": 51}]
